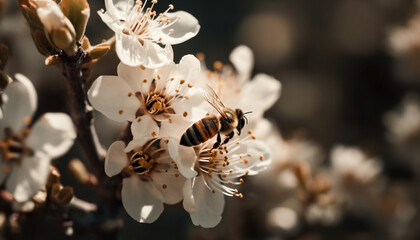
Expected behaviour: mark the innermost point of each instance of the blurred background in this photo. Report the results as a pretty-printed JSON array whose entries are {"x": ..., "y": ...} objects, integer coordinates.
[{"x": 350, "y": 75}]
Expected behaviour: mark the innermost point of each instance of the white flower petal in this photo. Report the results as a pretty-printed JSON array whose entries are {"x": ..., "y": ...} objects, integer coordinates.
[
  {"x": 133, "y": 53},
  {"x": 52, "y": 134},
  {"x": 184, "y": 157},
  {"x": 209, "y": 206},
  {"x": 174, "y": 128},
  {"x": 28, "y": 177},
  {"x": 189, "y": 67},
  {"x": 114, "y": 98},
  {"x": 185, "y": 27},
  {"x": 260, "y": 94},
  {"x": 260, "y": 156},
  {"x": 136, "y": 77},
  {"x": 170, "y": 185},
  {"x": 26, "y": 207},
  {"x": 116, "y": 159},
  {"x": 189, "y": 201},
  {"x": 144, "y": 127},
  {"x": 136, "y": 143},
  {"x": 20, "y": 103},
  {"x": 242, "y": 59},
  {"x": 142, "y": 201},
  {"x": 118, "y": 10},
  {"x": 190, "y": 109},
  {"x": 112, "y": 22}
]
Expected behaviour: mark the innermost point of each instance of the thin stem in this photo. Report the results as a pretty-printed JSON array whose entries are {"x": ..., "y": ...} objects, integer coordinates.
[{"x": 81, "y": 112}]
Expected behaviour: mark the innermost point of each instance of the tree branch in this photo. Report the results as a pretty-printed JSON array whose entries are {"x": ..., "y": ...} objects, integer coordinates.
[{"x": 81, "y": 112}]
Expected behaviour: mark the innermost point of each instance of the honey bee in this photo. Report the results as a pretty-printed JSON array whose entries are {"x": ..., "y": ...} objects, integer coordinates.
[{"x": 209, "y": 126}]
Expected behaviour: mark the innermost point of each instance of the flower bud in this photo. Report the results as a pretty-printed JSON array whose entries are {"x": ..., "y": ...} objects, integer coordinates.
[
  {"x": 61, "y": 195},
  {"x": 78, "y": 12},
  {"x": 78, "y": 170},
  {"x": 53, "y": 178},
  {"x": 29, "y": 10},
  {"x": 57, "y": 27},
  {"x": 42, "y": 43},
  {"x": 64, "y": 196}
]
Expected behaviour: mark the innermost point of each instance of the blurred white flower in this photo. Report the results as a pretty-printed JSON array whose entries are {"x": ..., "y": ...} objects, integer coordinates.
[
  {"x": 25, "y": 154},
  {"x": 284, "y": 218},
  {"x": 237, "y": 90},
  {"x": 350, "y": 164},
  {"x": 157, "y": 101},
  {"x": 152, "y": 177},
  {"x": 404, "y": 40},
  {"x": 139, "y": 30},
  {"x": 404, "y": 124},
  {"x": 212, "y": 173},
  {"x": 325, "y": 214}
]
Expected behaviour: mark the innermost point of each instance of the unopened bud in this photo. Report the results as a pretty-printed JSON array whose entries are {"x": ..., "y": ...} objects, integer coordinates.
[
  {"x": 78, "y": 12},
  {"x": 54, "y": 190},
  {"x": 42, "y": 43},
  {"x": 85, "y": 43},
  {"x": 64, "y": 195},
  {"x": 61, "y": 195},
  {"x": 53, "y": 178},
  {"x": 57, "y": 27},
  {"x": 78, "y": 170},
  {"x": 62, "y": 39}
]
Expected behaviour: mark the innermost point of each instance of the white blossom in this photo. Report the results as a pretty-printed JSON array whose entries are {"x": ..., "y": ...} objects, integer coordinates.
[
  {"x": 151, "y": 178},
  {"x": 212, "y": 173},
  {"x": 350, "y": 163},
  {"x": 237, "y": 90},
  {"x": 25, "y": 154},
  {"x": 139, "y": 31},
  {"x": 404, "y": 124},
  {"x": 156, "y": 101}
]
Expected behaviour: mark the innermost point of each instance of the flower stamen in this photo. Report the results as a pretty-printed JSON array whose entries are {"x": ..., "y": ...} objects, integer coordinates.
[{"x": 141, "y": 163}]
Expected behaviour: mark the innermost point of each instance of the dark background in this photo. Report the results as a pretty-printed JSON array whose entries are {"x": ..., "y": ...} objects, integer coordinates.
[{"x": 332, "y": 57}]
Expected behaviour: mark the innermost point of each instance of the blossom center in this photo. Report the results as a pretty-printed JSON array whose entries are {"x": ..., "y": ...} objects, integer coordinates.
[
  {"x": 155, "y": 104},
  {"x": 13, "y": 147},
  {"x": 141, "y": 163},
  {"x": 146, "y": 22}
]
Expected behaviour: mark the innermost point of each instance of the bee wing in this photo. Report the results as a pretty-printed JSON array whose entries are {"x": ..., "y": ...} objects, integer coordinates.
[{"x": 211, "y": 97}]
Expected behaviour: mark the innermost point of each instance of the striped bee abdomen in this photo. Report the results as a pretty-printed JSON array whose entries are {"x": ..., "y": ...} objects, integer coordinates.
[{"x": 201, "y": 131}]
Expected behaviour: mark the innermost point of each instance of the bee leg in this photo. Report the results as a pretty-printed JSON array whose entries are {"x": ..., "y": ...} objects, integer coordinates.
[
  {"x": 218, "y": 141},
  {"x": 228, "y": 137}
]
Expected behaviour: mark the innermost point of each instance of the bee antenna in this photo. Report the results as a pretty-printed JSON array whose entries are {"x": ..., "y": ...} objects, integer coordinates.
[
  {"x": 246, "y": 119},
  {"x": 248, "y": 112}
]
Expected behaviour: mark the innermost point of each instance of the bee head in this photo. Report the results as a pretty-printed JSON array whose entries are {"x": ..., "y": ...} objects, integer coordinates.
[{"x": 241, "y": 119}]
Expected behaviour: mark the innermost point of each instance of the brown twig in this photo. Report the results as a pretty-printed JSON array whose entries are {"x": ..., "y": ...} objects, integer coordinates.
[{"x": 81, "y": 112}]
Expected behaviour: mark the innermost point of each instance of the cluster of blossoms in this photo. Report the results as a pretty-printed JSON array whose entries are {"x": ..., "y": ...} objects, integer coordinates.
[
  {"x": 27, "y": 149},
  {"x": 165, "y": 104}
]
